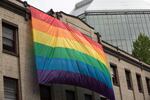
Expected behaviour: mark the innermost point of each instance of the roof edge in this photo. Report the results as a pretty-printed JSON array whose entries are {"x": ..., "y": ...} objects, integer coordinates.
[
  {"x": 121, "y": 54},
  {"x": 77, "y": 18}
]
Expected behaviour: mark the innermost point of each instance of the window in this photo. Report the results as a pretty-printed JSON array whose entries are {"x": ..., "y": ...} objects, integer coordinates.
[
  {"x": 114, "y": 74},
  {"x": 87, "y": 97},
  {"x": 10, "y": 89},
  {"x": 45, "y": 92},
  {"x": 139, "y": 82},
  {"x": 9, "y": 33},
  {"x": 70, "y": 95},
  {"x": 128, "y": 79},
  {"x": 148, "y": 84}
]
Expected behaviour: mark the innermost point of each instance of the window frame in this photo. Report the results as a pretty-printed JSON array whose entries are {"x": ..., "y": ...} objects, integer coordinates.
[
  {"x": 49, "y": 92},
  {"x": 128, "y": 72},
  {"x": 14, "y": 50},
  {"x": 70, "y": 91},
  {"x": 139, "y": 82},
  {"x": 17, "y": 85},
  {"x": 86, "y": 95},
  {"x": 148, "y": 84},
  {"x": 115, "y": 79}
]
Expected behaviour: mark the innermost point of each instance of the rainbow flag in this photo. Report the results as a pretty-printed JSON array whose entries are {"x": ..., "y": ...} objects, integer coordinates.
[{"x": 63, "y": 55}]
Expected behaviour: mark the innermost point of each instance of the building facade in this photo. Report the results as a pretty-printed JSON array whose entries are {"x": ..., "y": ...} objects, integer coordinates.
[
  {"x": 119, "y": 22},
  {"x": 18, "y": 79}
]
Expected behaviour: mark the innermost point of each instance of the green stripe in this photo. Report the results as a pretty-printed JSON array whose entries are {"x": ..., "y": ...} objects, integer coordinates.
[{"x": 58, "y": 52}]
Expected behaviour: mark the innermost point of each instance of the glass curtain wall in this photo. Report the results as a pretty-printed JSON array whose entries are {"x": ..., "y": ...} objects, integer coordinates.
[{"x": 120, "y": 29}]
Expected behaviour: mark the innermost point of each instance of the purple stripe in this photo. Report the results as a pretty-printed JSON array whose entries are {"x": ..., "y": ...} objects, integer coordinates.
[{"x": 62, "y": 77}]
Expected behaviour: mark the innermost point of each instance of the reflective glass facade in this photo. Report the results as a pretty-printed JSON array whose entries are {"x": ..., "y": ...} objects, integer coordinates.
[{"x": 119, "y": 28}]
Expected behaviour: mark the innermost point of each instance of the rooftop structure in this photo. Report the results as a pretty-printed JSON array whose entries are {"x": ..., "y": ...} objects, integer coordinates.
[
  {"x": 109, "y": 5},
  {"x": 119, "y": 21}
]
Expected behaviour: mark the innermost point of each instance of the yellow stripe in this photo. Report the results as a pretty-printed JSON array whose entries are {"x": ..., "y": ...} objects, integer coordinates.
[
  {"x": 64, "y": 33},
  {"x": 65, "y": 43}
]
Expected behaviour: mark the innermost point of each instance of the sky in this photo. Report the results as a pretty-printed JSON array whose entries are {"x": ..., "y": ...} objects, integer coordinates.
[{"x": 57, "y": 5}]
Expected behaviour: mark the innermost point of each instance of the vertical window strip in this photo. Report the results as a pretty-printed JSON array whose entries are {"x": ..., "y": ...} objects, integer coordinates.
[
  {"x": 139, "y": 82},
  {"x": 128, "y": 79}
]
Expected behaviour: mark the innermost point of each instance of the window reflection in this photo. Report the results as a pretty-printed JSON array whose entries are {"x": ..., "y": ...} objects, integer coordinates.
[{"x": 120, "y": 30}]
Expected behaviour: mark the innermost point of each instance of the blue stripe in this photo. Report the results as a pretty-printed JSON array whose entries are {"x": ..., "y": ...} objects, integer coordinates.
[{"x": 69, "y": 65}]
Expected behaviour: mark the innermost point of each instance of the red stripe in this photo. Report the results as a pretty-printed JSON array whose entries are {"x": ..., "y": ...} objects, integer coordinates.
[
  {"x": 46, "y": 18},
  {"x": 55, "y": 22},
  {"x": 93, "y": 42}
]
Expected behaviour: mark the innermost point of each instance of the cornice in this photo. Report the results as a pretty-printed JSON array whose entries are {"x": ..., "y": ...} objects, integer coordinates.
[
  {"x": 121, "y": 55},
  {"x": 22, "y": 11}
]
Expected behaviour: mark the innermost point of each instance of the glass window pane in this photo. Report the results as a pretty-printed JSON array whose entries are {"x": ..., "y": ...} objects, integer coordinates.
[
  {"x": 139, "y": 82},
  {"x": 87, "y": 97},
  {"x": 45, "y": 92},
  {"x": 9, "y": 38},
  {"x": 7, "y": 42},
  {"x": 70, "y": 95},
  {"x": 128, "y": 79},
  {"x": 10, "y": 89}
]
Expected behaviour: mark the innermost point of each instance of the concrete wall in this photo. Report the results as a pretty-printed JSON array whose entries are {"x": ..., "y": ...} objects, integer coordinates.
[
  {"x": 80, "y": 25},
  {"x": 19, "y": 67},
  {"x": 122, "y": 92}
]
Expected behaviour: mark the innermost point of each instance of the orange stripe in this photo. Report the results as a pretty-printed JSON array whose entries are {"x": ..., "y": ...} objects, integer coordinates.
[
  {"x": 57, "y": 23},
  {"x": 54, "y": 31},
  {"x": 63, "y": 26}
]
